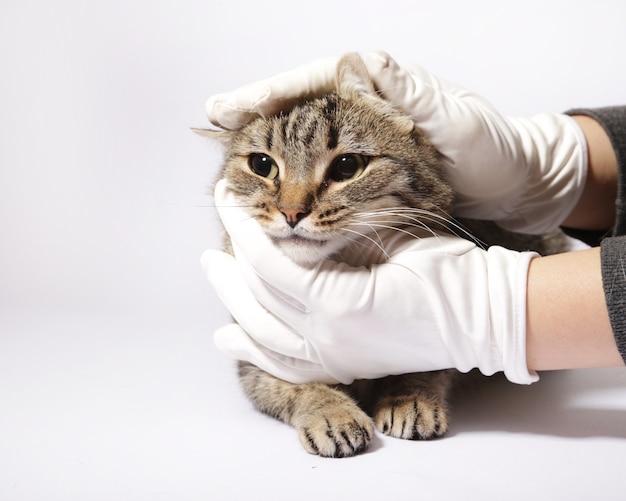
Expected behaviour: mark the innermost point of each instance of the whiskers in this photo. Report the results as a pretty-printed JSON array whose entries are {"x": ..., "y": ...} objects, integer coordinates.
[{"x": 417, "y": 223}]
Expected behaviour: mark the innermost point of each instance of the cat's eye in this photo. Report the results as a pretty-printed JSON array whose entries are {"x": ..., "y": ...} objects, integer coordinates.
[
  {"x": 347, "y": 167},
  {"x": 263, "y": 165}
]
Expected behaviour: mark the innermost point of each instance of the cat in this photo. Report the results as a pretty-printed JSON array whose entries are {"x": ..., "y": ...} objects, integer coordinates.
[{"x": 321, "y": 179}]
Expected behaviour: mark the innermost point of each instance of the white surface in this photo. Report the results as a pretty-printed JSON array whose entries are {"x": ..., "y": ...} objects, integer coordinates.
[{"x": 110, "y": 387}]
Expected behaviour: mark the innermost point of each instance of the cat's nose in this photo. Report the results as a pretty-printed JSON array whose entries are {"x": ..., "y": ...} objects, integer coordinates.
[{"x": 295, "y": 215}]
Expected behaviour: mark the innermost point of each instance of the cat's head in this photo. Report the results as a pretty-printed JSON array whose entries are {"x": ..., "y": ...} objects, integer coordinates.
[{"x": 335, "y": 169}]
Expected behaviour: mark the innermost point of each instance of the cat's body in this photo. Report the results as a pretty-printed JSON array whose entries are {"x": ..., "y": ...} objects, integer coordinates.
[{"x": 321, "y": 179}]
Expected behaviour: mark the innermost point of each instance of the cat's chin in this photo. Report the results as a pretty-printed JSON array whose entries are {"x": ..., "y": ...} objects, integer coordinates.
[{"x": 304, "y": 251}]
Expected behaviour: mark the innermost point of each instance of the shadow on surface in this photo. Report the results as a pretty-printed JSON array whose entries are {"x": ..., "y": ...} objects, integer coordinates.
[{"x": 572, "y": 404}]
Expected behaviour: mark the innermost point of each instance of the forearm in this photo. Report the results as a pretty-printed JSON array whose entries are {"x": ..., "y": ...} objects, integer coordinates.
[{"x": 567, "y": 319}]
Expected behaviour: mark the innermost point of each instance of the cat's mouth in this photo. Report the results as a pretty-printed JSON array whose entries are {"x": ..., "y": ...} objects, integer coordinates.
[
  {"x": 298, "y": 240},
  {"x": 302, "y": 250}
]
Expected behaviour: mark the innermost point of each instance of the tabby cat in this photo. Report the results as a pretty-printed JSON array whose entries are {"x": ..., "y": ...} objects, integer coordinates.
[{"x": 320, "y": 179}]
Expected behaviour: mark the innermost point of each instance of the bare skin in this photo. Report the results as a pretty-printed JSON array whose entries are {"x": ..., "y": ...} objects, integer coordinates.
[{"x": 567, "y": 319}]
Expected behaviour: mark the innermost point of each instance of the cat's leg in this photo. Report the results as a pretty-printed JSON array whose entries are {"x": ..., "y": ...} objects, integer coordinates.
[
  {"x": 413, "y": 406},
  {"x": 328, "y": 421}
]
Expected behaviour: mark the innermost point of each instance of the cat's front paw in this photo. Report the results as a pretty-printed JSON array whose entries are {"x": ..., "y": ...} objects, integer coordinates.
[
  {"x": 410, "y": 418},
  {"x": 336, "y": 433}
]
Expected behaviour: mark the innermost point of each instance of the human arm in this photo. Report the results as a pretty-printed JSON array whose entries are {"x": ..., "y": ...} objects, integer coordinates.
[
  {"x": 469, "y": 311},
  {"x": 568, "y": 324}
]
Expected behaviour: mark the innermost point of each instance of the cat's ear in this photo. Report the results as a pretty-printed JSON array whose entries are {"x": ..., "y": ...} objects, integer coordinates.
[
  {"x": 352, "y": 76},
  {"x": 221, "y": 136},
  {"x": 353, "y": 80}
]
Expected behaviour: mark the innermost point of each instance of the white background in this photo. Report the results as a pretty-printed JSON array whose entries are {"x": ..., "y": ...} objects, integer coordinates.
[{"x": 110, "y": 387}]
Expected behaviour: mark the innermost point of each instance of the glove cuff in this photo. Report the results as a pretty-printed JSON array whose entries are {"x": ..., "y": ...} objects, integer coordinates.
[
  {"x": 508, "y": 303},
  {"x": 556, "y": 152}
]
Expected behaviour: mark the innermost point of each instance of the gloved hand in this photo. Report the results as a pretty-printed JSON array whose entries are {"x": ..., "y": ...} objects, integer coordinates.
[
  {"x": 525, "y": 174},
  {"x": 436, "y": 302}
]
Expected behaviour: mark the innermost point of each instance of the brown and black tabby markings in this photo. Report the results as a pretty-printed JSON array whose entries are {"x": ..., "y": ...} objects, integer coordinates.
[{"x": 320, "y": 179}]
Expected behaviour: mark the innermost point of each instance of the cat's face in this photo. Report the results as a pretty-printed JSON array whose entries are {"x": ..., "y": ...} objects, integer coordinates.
[{"x": 334, "y": 170}]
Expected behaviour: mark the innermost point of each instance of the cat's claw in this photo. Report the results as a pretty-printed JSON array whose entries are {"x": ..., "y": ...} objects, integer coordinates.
[
  {"x": 338, "y": 435},
  {"x": 411, "y": 419}
]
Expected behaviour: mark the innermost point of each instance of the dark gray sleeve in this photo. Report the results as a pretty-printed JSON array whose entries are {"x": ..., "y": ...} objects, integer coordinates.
[
  {"x": 613, "y": 259},
  {"x": 613, "y": 249}
]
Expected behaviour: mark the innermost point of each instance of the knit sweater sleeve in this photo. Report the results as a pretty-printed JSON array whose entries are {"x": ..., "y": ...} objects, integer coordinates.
[{"x": 613, "y": 249}]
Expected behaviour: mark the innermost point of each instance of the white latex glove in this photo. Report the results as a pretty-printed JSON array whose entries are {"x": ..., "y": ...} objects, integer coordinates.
[
  {"x": 525, "y": 174},
  {"x": 437, "y": 302}
]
